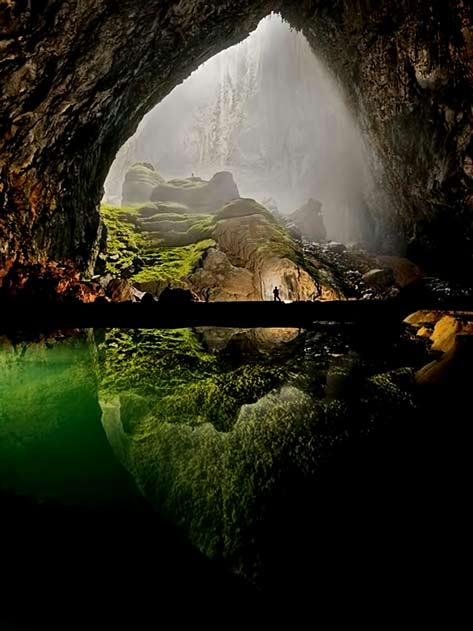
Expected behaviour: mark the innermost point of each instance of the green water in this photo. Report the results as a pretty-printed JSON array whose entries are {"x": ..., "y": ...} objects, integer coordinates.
[
  {"x": 52, "y": 443},
  {"x": 228, "y": 434}
]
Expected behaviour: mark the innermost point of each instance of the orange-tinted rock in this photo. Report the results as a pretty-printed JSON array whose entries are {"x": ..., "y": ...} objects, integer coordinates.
[{"x": 120, "y": 290}]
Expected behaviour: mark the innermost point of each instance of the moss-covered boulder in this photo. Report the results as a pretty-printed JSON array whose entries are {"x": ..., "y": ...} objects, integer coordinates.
[
  {"x": 197, "y": 194},
  {"x": 140, "y": 181},
  {"x": 202, "y": 236}
]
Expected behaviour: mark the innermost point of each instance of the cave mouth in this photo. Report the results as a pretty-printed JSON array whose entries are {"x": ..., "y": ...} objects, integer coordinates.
[
  {"x": 268, "y": 111},
  {"x": 260, "y": 133}
]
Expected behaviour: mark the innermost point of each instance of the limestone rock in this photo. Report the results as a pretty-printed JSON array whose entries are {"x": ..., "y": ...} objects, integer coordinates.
[
  {"x": 120, "y": 290},
  {"x": 379, "y": 278},
  {"x": 140, "y": 181},
  {"x": 224, "y": 280},
  {"x": 446, "y": 330},
  {"x": 405, "y": 271},
  {"x": 256, "y": 242},
  {"x": 308, "y": 221},
  {"x": 196, "y": 194},
  {"x": 453, "y": 369},
  {"x": 423, "y": 318}
]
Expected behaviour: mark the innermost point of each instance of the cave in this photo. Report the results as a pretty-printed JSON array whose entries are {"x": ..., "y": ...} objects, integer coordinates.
[
  {"x": 79, "y": 78},
  {"x": 169, "y": 457}
]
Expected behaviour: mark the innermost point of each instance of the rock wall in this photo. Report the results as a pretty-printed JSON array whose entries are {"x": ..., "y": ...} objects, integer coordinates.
[
  {"x": 77, "y": 78},
  {"x": 407, "y": 68}
]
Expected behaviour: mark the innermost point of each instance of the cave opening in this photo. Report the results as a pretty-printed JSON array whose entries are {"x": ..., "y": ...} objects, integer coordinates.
[
  {"x": 268, "y": 111},
  {"x": 262, "y": 122}
]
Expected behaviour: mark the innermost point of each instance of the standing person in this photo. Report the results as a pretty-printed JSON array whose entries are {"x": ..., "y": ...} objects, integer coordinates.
[{"x": 277, "y": 297}]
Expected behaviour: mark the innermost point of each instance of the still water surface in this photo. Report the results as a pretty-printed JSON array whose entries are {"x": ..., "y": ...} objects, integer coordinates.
[{"x": 244, "y": 440}]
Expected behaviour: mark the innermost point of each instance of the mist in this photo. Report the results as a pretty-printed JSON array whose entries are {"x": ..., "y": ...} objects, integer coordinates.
[{"x": 268, "y": 111}]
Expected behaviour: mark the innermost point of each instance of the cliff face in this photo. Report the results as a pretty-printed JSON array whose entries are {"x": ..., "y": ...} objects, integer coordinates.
[
  {"x": 78, "y": 77},
  {"x": 407, "y": 68}
]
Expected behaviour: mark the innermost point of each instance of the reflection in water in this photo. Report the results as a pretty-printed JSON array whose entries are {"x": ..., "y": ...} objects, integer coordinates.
[
  {"x": 229, "y": 433},
  {"x": 249, "y": 440},
  {"x": 279, "y": 453},
  {"x": 52, "y": 445}
]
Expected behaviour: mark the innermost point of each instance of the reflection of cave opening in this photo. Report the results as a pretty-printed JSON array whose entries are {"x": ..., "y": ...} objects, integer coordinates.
[{"x": 269, "y": 112}]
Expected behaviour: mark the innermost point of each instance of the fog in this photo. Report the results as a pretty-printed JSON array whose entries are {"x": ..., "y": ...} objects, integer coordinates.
[{"x": 268, "y": 111}]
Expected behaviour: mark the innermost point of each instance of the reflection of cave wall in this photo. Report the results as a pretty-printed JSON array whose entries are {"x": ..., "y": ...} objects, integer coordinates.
[{"x": 78, "y": 77}]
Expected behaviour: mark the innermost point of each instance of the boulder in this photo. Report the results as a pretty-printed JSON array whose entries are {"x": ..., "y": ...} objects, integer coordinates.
[
  {"x": 120, "y": 290},
  {"x": 379, "y": 278},
  {"x": 405, "y": 271},
  {"x": 453, "y": 369},
  {"x": 196, "y": 194},
  {"x": 140, "y": 181},
  {"x": 308, "y": 222}
]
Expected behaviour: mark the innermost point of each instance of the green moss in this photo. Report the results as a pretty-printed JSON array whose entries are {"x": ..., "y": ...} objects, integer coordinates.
[
  {"x": 123, "y": 241},
  {"x": 171, "y": 263},
  {"x": 243, "y": 208},
  {"x": 163, "y": 261},
  {"x": 151, "y": 362},
  {"x": 217, "y": 399}
]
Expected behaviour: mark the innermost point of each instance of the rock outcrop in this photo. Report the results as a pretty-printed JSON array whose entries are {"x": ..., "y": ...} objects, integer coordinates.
[
  {"x": 223, "y": 280},
  {"x": 139, "y": 183},
  {"x": 237, "y": 251},
  {"x": 196, "y": 194},
  {"x": 308, "y": 222}
]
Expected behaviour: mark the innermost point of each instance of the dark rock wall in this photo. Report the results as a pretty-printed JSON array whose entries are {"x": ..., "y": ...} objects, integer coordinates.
[
  {"x": 78, "y": 76},
  {"x": 407, "y": 67}
]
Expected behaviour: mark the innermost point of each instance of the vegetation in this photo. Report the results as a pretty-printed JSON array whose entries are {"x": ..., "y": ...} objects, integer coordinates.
[
  {"x": 124, "y": 243},
  {"x": 171, "y": 263},
  {"x": 161, "y": 262}
]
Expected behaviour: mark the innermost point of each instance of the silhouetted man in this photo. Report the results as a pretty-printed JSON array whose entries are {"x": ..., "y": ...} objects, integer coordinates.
[{"x": 277, "y": 297}]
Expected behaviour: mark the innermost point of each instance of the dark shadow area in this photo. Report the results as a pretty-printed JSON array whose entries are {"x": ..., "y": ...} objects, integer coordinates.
[
  {"x": 382, "y": 544},
  {"x": 24, "y": 316},
  {"x": 76, "y": 568}
]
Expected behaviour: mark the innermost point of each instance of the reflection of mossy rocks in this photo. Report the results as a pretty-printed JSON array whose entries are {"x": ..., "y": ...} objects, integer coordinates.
[
  {"x": 140, "y": 180},
  {"x": 198, "y": 195}
]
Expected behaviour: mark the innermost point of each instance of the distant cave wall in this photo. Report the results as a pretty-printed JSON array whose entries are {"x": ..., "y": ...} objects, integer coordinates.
[
  {"x": 77, "y": 78},
  {"x": 407, "y": 69}
]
